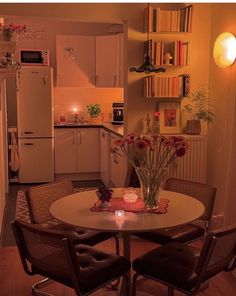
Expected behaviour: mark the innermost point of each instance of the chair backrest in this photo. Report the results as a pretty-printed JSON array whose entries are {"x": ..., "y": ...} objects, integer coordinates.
[
  {"x": 203, "y": 192},
  {"x": 40, "y": 198},
  {"x": 51, "y": 253},
  {"x": 218, "y": 253}
]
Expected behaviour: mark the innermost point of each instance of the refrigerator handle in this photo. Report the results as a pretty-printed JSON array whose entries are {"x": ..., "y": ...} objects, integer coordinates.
[
  {"x": 27, "y": 144},
  {"x": 73, "y": 132},
  {"x": 27, "y": 132}
]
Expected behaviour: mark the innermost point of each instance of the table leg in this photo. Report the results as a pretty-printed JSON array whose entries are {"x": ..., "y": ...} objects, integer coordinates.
[{"x": 126, "y": 285}]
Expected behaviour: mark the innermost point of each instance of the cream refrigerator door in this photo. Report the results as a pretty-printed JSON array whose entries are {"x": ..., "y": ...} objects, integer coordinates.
[
  {"x": 34, "y": 102},
  {"x": 36, "y": 160}
]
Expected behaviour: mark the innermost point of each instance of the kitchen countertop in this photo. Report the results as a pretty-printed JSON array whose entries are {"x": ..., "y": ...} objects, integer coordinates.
[{"x": 116, "y": 129}]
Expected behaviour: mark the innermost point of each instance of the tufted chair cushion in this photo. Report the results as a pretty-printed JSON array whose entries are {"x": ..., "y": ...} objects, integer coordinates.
[
  {"x": 96, "y": 267},
  {"x": 174, "y": 263},
  {"x": 84, "y": 236},
  {"x": 183, "y": 233}
]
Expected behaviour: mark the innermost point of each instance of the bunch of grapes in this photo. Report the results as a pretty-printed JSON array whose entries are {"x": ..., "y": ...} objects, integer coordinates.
[{"x": 104, "y": 193}]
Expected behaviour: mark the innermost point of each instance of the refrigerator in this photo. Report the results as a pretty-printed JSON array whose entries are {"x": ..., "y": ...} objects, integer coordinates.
[{"x": 35, "y": 124}]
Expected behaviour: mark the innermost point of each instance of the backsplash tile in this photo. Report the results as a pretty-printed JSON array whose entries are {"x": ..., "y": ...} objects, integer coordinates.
[{"x": 67, "y": 98}]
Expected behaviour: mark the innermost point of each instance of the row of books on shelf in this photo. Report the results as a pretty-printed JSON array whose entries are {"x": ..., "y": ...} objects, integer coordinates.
[
  {"x": 178, "y": 50},
  {"x": 166, "y": 87},
  {"x": 158, "y": 20}
]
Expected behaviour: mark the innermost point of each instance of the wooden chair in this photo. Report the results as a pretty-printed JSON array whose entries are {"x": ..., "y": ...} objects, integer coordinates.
[
  {"x": 190, "y": 231},
  {"x": 52, "y": 254},
  {"x": 184, "y": 268},
  {"x": 39, "y": 199}
]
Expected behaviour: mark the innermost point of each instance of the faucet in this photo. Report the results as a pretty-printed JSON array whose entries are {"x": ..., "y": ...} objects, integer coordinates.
[{"x": 77, "y": 119}]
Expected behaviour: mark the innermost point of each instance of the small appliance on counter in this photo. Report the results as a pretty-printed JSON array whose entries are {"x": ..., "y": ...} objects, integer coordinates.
[{"x": 118, "y": 110}]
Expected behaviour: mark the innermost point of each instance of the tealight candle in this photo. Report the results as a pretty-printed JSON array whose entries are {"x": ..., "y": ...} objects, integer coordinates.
[{"x": 119, "y": 213}]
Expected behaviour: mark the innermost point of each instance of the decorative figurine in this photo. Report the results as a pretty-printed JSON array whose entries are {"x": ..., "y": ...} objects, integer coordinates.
[{"x": 167, "y": 59}]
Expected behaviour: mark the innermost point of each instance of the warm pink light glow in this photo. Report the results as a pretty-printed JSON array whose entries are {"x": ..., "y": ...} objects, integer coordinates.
[
  {"x": 119, "y": 213},
  {"x": 75, "y": 110}
]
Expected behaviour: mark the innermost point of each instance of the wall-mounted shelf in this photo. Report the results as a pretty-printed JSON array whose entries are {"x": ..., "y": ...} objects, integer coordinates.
[
  {"x": 156, "y": 87},
  {"x": 168, "y": 21},
  {"x": 178, "y": 50}
]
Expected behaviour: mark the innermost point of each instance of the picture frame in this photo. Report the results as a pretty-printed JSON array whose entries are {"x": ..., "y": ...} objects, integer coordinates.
[{"x": 170, "y": 117}]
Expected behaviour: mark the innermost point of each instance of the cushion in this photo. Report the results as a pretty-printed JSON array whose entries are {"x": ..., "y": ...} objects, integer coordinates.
[
  {"x": 172, "y": 263},
  {"x": 183, "y": 233},
  {"x": 96, "y": 268}
]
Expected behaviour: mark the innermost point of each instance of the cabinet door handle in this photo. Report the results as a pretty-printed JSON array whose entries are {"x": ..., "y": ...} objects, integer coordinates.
[
  {"x": 27, "y": 144},
  {"x": 96, "y": 80},
  {"x": 80, "y": 137},
  {"x": 73, "y": 132},
  {"x": 27, "y": 132},
  {"x": 115, "y": 80}
]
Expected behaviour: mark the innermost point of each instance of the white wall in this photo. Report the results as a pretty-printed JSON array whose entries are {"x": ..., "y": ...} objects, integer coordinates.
[{"x": 222, "y": 137}]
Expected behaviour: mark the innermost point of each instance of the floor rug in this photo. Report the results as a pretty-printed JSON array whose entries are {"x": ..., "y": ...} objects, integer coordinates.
[{"x": 22, "y": 207}]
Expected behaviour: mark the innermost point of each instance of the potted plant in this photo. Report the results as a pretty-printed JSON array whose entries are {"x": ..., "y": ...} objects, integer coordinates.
[
  {"x": 94, "y": 110},
  {"x": 198, "y": 108}
]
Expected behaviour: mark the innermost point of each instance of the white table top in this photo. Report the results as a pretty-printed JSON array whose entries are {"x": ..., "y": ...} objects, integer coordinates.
[{"x": 75, "y": 210}]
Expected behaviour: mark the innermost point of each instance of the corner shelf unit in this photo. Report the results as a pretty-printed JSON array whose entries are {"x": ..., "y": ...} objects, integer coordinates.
[
  {"x": 156, "y": 87},
  {"x": 178, "y": 50},
  {"x": 168, "y": 21}
]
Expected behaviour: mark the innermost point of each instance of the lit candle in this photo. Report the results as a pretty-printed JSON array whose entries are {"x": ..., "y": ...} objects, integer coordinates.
[
  {"x": 119, "y": 214},
  {"x": 75, "y": 110}
]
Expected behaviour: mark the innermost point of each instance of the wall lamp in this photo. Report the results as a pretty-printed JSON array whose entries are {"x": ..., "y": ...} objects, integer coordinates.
[{"x": 224, "y": 51}]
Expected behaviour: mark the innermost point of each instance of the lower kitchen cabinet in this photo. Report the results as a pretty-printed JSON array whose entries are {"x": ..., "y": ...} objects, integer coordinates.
[
  {"x": 65, "y": 150},
  {"x": 118, "y": 166},
  {"x": 76, "y": 150}
]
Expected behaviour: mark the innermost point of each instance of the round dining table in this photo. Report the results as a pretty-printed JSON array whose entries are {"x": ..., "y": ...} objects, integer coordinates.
[{"x": 75, "y": 209}]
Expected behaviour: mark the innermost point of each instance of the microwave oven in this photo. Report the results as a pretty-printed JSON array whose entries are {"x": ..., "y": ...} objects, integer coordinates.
[{"x": 34, "y": 57}]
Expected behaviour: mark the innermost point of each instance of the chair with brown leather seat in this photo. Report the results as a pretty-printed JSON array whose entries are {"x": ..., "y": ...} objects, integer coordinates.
[
  {"x": 183, "y": 267},
  {"x": 39, "y": 199},
  {"x": 52, "y": 254},
  {"x": 190, "y": 231}
]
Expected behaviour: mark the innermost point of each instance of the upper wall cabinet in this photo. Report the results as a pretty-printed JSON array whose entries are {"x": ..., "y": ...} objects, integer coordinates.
[
  {"x": 75, "y": 60},
  {"x": 109, "y": 61},
  {"x": 89, "y": 61}
]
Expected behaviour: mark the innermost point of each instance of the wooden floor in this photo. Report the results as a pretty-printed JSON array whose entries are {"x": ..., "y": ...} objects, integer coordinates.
[{"x": 14, "y": 281}]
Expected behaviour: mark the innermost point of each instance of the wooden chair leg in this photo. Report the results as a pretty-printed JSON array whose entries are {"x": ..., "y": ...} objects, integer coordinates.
[
  {"x": 170, "y": 291},
  {"x": 134, "y": 284},
  {"x": 117, "y": 244}
]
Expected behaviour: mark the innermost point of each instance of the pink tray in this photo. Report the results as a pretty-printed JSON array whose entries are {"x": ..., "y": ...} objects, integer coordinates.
[{"x": 136, "y": 207}]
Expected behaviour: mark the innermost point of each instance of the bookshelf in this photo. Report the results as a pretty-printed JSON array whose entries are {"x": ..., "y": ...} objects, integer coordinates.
[
  {"x": 171, "y": 88},
  {"x": 161, "y": 20},
  {"x": 168, "y": 51},
  {"x": 179, "y": 52}
]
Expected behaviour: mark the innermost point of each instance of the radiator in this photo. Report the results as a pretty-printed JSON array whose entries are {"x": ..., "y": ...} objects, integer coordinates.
[{"x": 192, "y": 166}]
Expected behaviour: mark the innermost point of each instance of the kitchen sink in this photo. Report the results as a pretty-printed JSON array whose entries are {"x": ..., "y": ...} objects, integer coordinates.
[{"x": 73, "y": 123}]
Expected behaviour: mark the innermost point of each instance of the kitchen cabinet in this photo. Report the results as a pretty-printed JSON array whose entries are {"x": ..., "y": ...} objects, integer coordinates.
[
  {"x": 105, "y": 159},
  {"x": 65, "y": 150},
  {"x": 118, "y": 166},
  {"x": 109, "y": 61},
  {"x": 89, "y": 61},
  {"x": 75, "y": 60},
  {"x": 76, "y": 150}
]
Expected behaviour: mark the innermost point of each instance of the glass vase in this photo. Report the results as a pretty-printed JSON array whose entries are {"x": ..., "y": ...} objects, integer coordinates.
[{"x": 150, "y": 182}]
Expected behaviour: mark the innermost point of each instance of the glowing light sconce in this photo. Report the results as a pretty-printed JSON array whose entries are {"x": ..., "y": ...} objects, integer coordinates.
[{"x": 224, "y": 51}]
